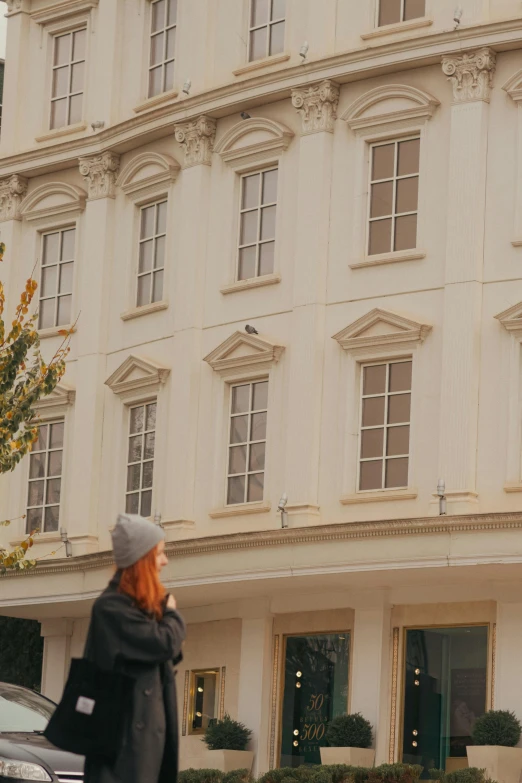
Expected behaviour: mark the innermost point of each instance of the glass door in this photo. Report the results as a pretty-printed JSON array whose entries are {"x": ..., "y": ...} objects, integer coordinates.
[
  {"x": 315, "y": 691},
  {"x": 445, "y": 691}
]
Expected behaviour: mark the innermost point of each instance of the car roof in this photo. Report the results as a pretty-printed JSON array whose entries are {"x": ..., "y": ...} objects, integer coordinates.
[{"x": 10, "y": 687}]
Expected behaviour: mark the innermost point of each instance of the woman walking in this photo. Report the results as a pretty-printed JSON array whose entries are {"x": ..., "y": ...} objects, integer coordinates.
[{"x": 135, "y": 629}]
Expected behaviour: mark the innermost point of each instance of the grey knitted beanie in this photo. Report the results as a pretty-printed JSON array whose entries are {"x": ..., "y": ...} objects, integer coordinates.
[{"x": 132, "y": 537}]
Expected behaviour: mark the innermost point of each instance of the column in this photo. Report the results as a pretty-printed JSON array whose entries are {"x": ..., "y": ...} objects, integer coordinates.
[
  {"x": 12, "y": 192},
  {"x": 471, "y": 78},
  {"x": 507, "y": 694},
  {"x": 16, "y": 74},
  {"x": 254, "y": 686},
  {"x": 56, "y": 659},
  {"x": 96, "y": 241},
  {"x": 370, "y": 675}
]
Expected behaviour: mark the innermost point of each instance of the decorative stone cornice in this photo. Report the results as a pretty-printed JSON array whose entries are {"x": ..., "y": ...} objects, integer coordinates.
[
  {"x": 241, "y": 353},
  {"x": 197, "y": 139},
  {"x": 470, "y": 74},
  {"x": 12, "y": 191},
  {"x": 136, "y": 375},
  {"x": 317, "y": 106},
  {"x": 100, "y": 173},
  {"x": 381, "y": 329}
]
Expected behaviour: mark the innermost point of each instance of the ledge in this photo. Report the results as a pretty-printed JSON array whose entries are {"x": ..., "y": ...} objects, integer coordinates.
[
  {"x": 59, "y": 132},
  {"x": 240, "y": 510},
  {"x": 378, "y": 496},
  {"x": 55, "y": 331},
  {"x": 516, "y": 242},
  {"x": 400, "y": 27},
  {"x": 38, "y": 538},
  {"x": 156, "y": 100},
  {"x": 389, "y": 258},
  {"x": 513, "y": 487},
  {"x": 137, "y": 312},
  {"x": 251, "y": 282},
  {"x": 256, "y": 65}
]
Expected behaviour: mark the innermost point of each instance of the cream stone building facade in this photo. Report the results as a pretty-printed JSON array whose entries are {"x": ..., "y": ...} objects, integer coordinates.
[{"x": 343, "y": 176}]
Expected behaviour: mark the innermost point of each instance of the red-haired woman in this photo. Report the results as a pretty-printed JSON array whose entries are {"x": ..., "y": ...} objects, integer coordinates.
[{"x": 136, "y": 629}]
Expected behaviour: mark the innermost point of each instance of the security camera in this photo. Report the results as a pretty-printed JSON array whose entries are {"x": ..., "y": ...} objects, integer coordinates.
[
  {"x": 457, "y": 16},
  {"x": 97, "y": 125},
  {"x": 187, "y": 86},
  {"x": 283, "y": 502},
  {"x": 303, "y": 51}
]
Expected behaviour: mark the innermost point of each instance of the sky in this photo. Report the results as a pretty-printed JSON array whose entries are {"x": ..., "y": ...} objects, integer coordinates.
[{"x": 3, "y": 27}]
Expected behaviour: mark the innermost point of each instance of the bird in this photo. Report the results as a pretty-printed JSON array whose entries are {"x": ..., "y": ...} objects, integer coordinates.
[
  {"x": 245, "y": 116},
  {"x": 250, "y": 329}
]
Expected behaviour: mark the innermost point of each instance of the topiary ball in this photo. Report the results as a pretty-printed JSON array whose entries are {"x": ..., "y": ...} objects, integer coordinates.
[
  {"x": 349, "y": 731},
  {"x": 497, "y": 727}
]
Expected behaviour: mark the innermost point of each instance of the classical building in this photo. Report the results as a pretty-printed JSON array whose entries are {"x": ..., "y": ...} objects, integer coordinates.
[{"x": 290, "y": 237}]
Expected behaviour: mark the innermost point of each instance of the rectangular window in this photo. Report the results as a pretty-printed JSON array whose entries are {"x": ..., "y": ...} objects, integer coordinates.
[
  {"x": 45, "y": 479},
  {"x": 257, "y": 224},
  {"x": 385, "y": 425},
  {"x": 162, "y": 46},
  {"x": 267, "y": 28},
  {"x": 56, "y": 282},
  {"x": 204, "y": 700},
  {"x": 68, "y": 79},
  {"x": 153, "y": 230},
  {"x": 394, "y": 196},
  {"x": 140, "y": 459},
  {"x": 247, "y": 442},
  {"x": 396, "y": 11}
]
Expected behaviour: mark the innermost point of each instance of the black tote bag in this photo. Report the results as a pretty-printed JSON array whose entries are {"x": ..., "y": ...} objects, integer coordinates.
[{"x": 91, "y": 716}]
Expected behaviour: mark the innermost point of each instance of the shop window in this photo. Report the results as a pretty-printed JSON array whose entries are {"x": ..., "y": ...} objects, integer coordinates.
[
  {"x": 204, "y": 698},
  {"x": 396, "y": 11},
  {"x": 267, "y": 28},
  {"x": 315, "y": 691}
]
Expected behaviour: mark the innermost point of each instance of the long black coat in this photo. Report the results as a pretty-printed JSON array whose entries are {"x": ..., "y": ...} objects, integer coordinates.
[{"x": 123, "y": 637}]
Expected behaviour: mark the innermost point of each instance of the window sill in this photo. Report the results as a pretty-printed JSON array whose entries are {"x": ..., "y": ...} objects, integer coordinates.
[
  {"x": 240, "y": 510},
  {"x": 389, "y": 258},
  {"x": 59, "y": 132},
  {"x": 156, "y": 100},
  {"x": 513, "y": 487},
  {"x": 251, "y": 282},
  {"x": 379, "y": 496},
  {"x": 39, "y": 538},
  {"x": 256, "y": 65},
  {"x": 137, "y": 312},
  {"x": 399, "y": 27},
  {"x": 55, "y": 331}
]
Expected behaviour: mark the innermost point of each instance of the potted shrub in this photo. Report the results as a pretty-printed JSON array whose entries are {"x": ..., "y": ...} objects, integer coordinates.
[
  {"x": 494, "y": 737},
  {"x": 226, "y": 741},
  {"x": 350, "y": 742}
]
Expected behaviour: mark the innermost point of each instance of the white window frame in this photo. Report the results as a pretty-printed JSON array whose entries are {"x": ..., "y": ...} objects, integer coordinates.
[
  {"x": 401, "y": 21},
  {"x": 268, "y": 25},
  {"x": 70, "y": 63},
  {"x": 153, "y": 271},
  {"x": 47, "y": 451},
  {"x": 47, "y": 232},
  {"x": 142, "y": 461},
  {"x": 248, "y": 443},
  {"x": 261, "y": 171},
  {"x": 165, "y": 61}
]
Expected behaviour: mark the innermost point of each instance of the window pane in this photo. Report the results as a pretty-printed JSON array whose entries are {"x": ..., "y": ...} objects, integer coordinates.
[
  {"x": 382, "y": 199},
  {"x": 407, "y": 195},
  {"x": 236, "y": 490},
  {"x": 372, "y": 443},
  {"x": 380, "y": 237},
  {"x": 133, "y": 477},
  {"x": 136, "y": 420},
  {"x": 383, "y": 161},
  {"x": 239, "y": 429},
  {"x": 161, "y": 218},
  {"x": 135, "y": 448},
  {"x": 413, "y": 9},
  {"x": 132, "y": 504},
  {"x": 247, "y": 263},
  {"x": 148, "y": 470},
  {"x": 41, "y": 442},
  {"x": 144, "y": 284},
  {"x": 258, "y": 431},
  {"x": 55, "y": 463},
  {"x": 172, "y": 11},
  {"x": 399, "y": 408},
  {"x": 248, "y": 234},
  {"x": 77, "y": 77},
  {"x": 51, "y": 248},
  {"x": 250, "y": 192},
  {"x": 400, "y": 376},
  {"x": 150, "y": 422},
  {"x": 268, "y": 222},
  {"x": 278, "y": 9},
  {"x": 145, "y": 262},
  {"x": 59, "y": 113},
  {"x": 156, "y": 81},
  {"x": 266, "y": 258},
  {"x": 36, "y": 493},
  {"x": 260, "y": 396},
  {"x": 240, "y": 399},
  {"x": 237, "y": 459},
  {"x": 277, "y": 38},
  {"x": 408, "y": 162},
  {"x": 53, "y": 491},
  {"x": 49, "y": 276},
  {"x": 75, "y": 109},
  {"x": 389, "y": 12},
  {"x": 146, "y": 504},
  {"x": 171, "y": 44},
  {"x": 259, "y": 13},
  {"x": 68, "y": 240},
  {"x": 159, "y": 261},
  {"x": 398, "y": 441},
  {"x": 374, "y": 379},
  {"x": 257, "y": 456},
  {"x": 157, "y": 286},
  {"x": 34, "y": 520},
  {"x": 397, "y": 472},
  {"x": 56, "y": 436},
  {"x": 258, "y": 41},
  {"x": 46, "y": 317},
  {"x": 371, "y": 475},
  {"x": 158, "y": 15},
  {"x": 37, "y": 466},
  {"x": 157, "y": 48},
  {"x": 169, "y": 76},
  {"x": 255, "y": 487},
  {"x": 150, "y": 439},
  {"x": 60, "y": 82},
  {"x": 64, "y": 310},
  {"x": 79, "y": 41},
  {"x": 269, "y": 187},
  {"x": 52, "y": 519},
  {"x": 66, "y": 278},
  {"x": 373, "y": 412},
  {"x": 62, "y": 49},
  {"x": 148, "y": 215},
  {"x": 406, "y": 232}
]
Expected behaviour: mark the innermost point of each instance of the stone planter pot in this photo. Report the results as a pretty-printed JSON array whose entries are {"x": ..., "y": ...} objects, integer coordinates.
[
  {"x": 354, "y": 757},
  {"x": 227, "y": 760},
  {"x": 503, "y": 765}
]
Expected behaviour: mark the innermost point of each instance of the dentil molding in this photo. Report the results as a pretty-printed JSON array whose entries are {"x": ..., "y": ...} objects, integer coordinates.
[
  {"x": 100, "y": 173},
  {"x": 470, "y": 74},
  {"x": 12, "y": 192},
  {"x": 317, "y": 106},
  {"x": 197, "y": 139}
]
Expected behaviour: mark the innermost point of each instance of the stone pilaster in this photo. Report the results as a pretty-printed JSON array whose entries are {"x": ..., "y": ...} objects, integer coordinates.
[
  {"x": 12, "y": 192},
  {"x": 317, "y": 106},
  {"x": 100, "y": 173},
  {"x": 197, "y": 139}
]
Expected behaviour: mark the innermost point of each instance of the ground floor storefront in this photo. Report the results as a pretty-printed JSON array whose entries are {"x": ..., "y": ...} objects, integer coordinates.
[{"x": 419, "y": 630}]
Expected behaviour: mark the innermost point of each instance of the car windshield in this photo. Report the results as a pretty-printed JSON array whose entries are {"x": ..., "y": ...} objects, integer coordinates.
[{"x": 23, "y": 710}]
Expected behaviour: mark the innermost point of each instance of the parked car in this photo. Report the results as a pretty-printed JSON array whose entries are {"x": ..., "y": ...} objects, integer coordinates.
[{"x": 25, "y": 754}]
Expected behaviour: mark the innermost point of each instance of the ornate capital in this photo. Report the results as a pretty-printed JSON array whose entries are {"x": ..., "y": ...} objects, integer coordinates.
[
  {"x": 470, "y": 74},
  {"x": 317, "y": 106},
  {"x": 12, "y": 191},
  {"x": 17, "y": 6},
  {"x": 197, "y": 138},
  {"x": 100, "y": 173}
]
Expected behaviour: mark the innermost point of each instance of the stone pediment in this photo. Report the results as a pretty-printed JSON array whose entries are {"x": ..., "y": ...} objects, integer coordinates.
[
  {"x": 390, "y": 103},
  {"x": 242, "y": 351},
  {"x": 52, "y": 198},
  {"x": 253, "y": 140},
  {"x": 381, "y": 328},
  {"x": 136, "y": 373},
  {"x": 61, "y": 397},
  {"x": 146, "y": 171},
  {"x": 511, "y": 319},
  {"x": 513, "y": 86}
]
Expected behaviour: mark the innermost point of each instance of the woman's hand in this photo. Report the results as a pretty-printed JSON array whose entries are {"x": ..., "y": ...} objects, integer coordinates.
[{"x": 171, "y": 602}]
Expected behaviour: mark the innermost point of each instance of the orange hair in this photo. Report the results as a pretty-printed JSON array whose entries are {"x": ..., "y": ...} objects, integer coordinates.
[{"x": 141, "y": 582}]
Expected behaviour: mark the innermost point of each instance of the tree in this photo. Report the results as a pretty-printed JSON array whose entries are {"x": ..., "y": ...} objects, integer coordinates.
[{"x": 24, "y": 379}]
